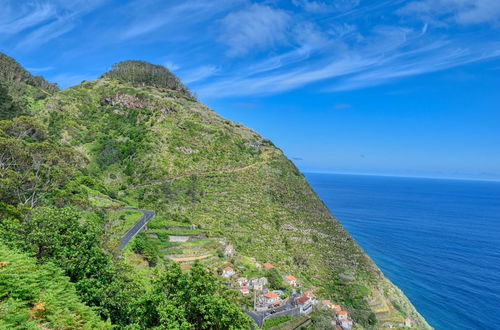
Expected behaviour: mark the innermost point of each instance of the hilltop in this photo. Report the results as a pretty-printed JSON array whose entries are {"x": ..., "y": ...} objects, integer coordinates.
[{"x": 138, "y": 138}]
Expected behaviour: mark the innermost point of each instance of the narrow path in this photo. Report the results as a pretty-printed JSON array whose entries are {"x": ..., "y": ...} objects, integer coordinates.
[
  {"x": 231, "y": 170},
  {"x": 136, "y": 228}
]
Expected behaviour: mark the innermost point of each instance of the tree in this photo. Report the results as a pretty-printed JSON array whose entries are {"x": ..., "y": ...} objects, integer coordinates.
[
  {"x": 29, "y": 170},
  {"x": 194, "y": 300},
  {"x": 275, "y": 280}
]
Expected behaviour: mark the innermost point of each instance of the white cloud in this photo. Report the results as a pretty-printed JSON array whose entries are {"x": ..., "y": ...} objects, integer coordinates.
[
  {"x": 48, "y": 32},
  {"x": 46, "y": 19},
  {"x": 254, "y": 28},
  {"x": 150, "y": 16},
  {"x": 171, "y": 66},
  {"x": 456, "y": 11},
  {"x": 386, "y": 54},
  {"x": 43, "y": 69},
  {"x": 326, "y": 6},
  {"x": 16, "y": 19},
  {"x": 198, "y": 74}
]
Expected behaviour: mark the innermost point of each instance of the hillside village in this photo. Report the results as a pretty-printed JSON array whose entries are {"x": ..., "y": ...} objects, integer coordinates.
[{"x": 265, "y": 292}]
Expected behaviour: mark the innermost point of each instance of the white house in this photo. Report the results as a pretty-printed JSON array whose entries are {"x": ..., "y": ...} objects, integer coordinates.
[
  {"x": 228, "y": 272},
  {"x": 408, "y": 323},
  {"x": 271, "y": 298},
  {"x": 291, "y": 280},
  {"x": 305, "y": 304},
  {"x": 342, "y": 315}
]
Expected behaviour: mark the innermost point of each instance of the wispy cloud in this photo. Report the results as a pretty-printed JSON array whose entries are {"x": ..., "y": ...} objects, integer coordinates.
[
  {"x": 152, "y": 15},
  {"x": 171, "y": 66},
  {"x": 326, "y": 6},
  {"x": 16, "y": 19},
  {"x": 43, "y": 69},
  {"x": 198, "y": 74},
  {"x": 256, "y": 27},
  {"x": 48, "y": 32},
  {"x": 351, "y": 58},
  {"x": 44, "y": 20},
  {"x": 459, "y": 11}
]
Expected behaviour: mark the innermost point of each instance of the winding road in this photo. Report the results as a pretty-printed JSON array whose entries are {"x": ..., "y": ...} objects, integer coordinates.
[{"x": 136, "y": 228}]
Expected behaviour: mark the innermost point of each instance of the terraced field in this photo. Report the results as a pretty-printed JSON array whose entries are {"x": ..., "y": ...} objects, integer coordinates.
[{"x": 182, "y": 242}]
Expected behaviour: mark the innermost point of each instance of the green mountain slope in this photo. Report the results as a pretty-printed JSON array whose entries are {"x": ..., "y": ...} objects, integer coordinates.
[{"x": 137, "y": 137}]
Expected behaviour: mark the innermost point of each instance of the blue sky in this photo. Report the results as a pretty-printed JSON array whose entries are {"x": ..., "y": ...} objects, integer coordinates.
[{"x": 384, "y": 87}]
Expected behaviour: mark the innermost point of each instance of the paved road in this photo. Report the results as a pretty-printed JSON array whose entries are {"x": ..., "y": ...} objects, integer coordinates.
[{"x": 136, "y": 228}]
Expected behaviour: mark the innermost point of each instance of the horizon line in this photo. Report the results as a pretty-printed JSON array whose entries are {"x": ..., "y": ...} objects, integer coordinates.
[{"x": 497, "y": 180}]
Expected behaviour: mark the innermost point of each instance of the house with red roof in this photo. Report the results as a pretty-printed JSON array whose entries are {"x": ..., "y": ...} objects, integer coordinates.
[
  {"x": 271, "y": 297},
  {"x": 291, "y": 280},
  {"x": 305, "y": 304},
  {"x": 309, "y": 294},
  {"x": 228, "y": 272},
  {"x": 342, "y": 315},
  {"x": 268, "y": 265}
]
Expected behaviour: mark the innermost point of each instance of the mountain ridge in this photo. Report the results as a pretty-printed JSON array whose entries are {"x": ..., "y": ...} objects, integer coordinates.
[{"x": 153, "y": 145}]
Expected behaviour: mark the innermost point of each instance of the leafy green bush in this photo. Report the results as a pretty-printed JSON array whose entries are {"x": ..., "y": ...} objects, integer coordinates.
[{"x": 143, "y": 246}]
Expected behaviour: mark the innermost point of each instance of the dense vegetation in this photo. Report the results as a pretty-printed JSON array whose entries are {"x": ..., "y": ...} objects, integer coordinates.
[
  {"x": 136, "y": 137},
  {"x": 32, "y": 294}
]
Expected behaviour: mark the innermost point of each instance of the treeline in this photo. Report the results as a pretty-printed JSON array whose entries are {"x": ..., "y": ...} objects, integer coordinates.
[{"x": 144, "y": 73}]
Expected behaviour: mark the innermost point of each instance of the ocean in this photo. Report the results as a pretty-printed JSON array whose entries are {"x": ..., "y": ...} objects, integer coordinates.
[{"x": 438, "y": 240}]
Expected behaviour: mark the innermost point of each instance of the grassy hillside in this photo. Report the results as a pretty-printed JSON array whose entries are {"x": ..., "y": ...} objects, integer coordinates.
[{"x": 153, "y": 146}]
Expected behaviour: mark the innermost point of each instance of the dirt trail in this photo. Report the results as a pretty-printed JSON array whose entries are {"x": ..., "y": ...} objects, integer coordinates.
[{"x": 231, "y": 170}]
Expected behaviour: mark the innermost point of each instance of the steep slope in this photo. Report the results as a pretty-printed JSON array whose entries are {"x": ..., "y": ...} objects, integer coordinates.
[{"x": 157, "y": 148}]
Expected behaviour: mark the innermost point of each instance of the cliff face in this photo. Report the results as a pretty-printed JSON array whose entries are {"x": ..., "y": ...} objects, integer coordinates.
[{"x": 156, "y": 147}]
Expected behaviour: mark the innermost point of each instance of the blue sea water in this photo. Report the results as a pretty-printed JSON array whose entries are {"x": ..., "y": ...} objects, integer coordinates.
[{"x": 437, "y": 240}]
